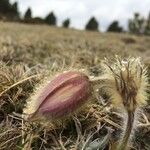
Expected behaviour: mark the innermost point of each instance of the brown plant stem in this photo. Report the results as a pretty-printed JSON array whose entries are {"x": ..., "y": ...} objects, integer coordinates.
[{"x": 128, "y": 130}]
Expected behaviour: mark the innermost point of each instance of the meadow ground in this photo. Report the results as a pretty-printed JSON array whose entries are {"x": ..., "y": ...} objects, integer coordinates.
[{"x": 28, "y": 53}]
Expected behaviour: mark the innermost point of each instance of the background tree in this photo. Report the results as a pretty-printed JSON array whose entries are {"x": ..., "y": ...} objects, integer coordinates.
[
  {"x": 92, "y": 24},
  {"x": 114, "y": 27},
  {"x": 50, "y": 19},
  {"x": 9, "y": 11},
  {"x": 28, "y": 14},
  {"x": 137, "y": 24},
  {"x": 5, "y": 7},
  {"x": 66, "y": 23},
  {"x": 147, "y": 28},
  {"x": 15, "y": 11}
]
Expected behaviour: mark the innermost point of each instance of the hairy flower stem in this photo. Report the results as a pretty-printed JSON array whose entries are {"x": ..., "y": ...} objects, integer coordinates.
[{"x": 128, "y": 130}]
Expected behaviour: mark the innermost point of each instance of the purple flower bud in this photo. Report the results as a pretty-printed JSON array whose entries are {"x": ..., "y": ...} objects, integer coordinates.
[{"x": 62, "y": 96}]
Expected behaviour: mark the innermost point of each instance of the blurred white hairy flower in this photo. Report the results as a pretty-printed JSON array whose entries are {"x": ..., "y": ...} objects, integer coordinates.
[{"x": 127, "y": 82}]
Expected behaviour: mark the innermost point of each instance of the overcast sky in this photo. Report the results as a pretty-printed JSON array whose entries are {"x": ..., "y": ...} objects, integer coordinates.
[{"x": 79, "y": 11}]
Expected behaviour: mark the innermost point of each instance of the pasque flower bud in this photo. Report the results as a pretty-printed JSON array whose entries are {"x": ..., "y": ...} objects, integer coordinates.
[
  {"x": 126, "y": 82},
  {"x": 60, "y": 96}
]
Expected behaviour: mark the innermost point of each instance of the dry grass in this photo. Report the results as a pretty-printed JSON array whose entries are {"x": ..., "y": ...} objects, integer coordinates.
[{"x": 29, "y": 53}]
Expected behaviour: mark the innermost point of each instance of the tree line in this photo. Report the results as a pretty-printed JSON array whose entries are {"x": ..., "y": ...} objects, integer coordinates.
[{"x": 10, "y": 12}]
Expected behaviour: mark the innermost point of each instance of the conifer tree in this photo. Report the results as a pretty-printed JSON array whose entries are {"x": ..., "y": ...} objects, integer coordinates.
[
  {"x": 137, "y": 24},
  {"x": 51, "y": 19},
  {"x": 114, "y": 27},
  {"x": 147, "y": 28},
  {"x": 92, "y": 24},
  {"x": 28, "y": 14},
  {"x": 66, "y": 23},
  {"x": 15, "y": 11}
]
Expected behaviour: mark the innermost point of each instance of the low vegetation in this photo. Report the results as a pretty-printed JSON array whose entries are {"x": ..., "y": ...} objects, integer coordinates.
[{"x": 31, "y": 53}]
